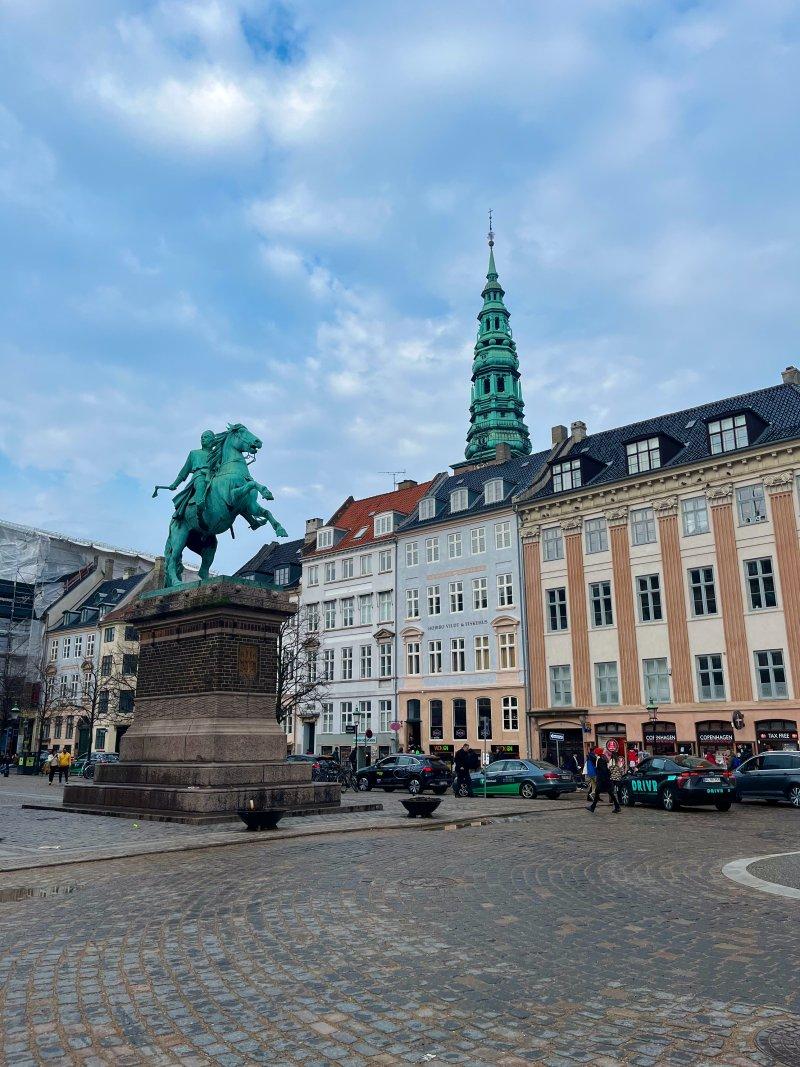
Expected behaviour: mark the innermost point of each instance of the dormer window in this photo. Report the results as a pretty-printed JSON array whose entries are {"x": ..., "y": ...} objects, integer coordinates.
[
  {"x": 281, "y": 576},
  {"x": 726, "y": 435},
  {"x": 644, "y": 455},
  {"x": 384, "y": 524},
  {"x": 493, "y": 491},
  {"x": 566, "y": 475},
  {"x": 459, "y": 500},
  {"x": 325, "y": 538},
  {"x": 427, "y": 508}
]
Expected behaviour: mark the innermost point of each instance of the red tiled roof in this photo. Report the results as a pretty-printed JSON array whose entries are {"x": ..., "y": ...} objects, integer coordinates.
[{"x": 355, "y": 514}]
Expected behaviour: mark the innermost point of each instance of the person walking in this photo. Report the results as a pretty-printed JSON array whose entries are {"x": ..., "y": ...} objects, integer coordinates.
[
  {"x": 603, "y": 784},
  {"x": 590, "y": 772},
  {"x": 5, "y": 764},
  {"x": 463, "y": 763},
  {"x": 52, "y": 765},
  {"x": 64, "y": 764},
  {"x": 617, "y": 770}
]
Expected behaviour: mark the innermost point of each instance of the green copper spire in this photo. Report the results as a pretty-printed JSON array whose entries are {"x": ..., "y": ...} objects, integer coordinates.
[{"x": 496, "y": 409}]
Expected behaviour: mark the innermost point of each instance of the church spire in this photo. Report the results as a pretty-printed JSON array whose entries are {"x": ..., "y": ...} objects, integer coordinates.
[{"x": 496, "y": 412}]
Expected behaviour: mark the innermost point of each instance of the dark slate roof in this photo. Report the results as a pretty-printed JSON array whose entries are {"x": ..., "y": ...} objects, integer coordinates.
[
  {"x": 107, "y": 595},
  {"x": 517, "y": 473},
  {"x": 777, "y": 408},
  {"x": 273, "y": 555}
]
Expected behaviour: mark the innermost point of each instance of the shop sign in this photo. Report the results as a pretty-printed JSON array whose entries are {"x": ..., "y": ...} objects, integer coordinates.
[
  {"x": 442, "y": 750},
  {"x": 715, "y": 737},
  {"x": 777, "y": 735},
  {"x": 505, "y": 750},
  {"x": 350, "y": 728},
  {"x": 667, "y": 736}
]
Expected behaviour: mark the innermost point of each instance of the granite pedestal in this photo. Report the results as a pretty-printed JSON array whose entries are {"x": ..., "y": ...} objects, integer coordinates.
[{"x": 204, "y": 739}]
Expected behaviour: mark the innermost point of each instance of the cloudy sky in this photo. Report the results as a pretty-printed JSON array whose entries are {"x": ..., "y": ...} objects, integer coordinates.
[{"x": 275, "y": 213}]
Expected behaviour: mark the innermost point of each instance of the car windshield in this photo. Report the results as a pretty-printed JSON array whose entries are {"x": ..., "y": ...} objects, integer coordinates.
[{"x": 694, "y": 763}]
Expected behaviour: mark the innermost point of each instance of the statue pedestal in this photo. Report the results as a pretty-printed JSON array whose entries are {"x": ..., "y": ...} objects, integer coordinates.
[{"x": 204, "y": 740}]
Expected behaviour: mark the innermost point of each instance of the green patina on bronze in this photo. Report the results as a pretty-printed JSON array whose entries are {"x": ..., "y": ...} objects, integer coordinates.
[
  {"x": 496, "y": 412},
  {"x": 221, "y": 488}
]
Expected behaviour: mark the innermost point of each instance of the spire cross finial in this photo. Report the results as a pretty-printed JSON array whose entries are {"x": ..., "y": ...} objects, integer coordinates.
[{"x": 491, "y": 231}]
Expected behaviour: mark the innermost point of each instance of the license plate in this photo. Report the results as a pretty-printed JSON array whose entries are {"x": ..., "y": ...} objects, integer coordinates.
[
  {"x": 715, "y": 790},
  {"x": 712, "y": 779},
  {"x": 566, "y": 777}
]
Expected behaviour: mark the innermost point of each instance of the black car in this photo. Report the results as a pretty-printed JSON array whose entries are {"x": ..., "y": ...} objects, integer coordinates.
[
  {"x": 323, "y": 768},
  {"x": 671, "y": 781},
  {"x": 414, "y": 773},
  {"x": 772, "y": 776},
  {"x": 97, "y": 757}
]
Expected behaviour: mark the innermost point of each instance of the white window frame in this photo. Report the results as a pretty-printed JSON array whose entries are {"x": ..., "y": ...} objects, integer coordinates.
[
  {"x": 709, "y": 665},
  {"x": 313, "y": 574},
  {"x": 561, "y": 685},
  {"x": 348, "y": 570},
  {"x": 507, "y": 650},
  {"x": 435, "y": 657},
  {"x": 383, "y": 524},
  {"x": 412, "y": 553},
  {"x": 480, "y": 594},
  {"x": 90, "y": 646},
  {"x": 365, "y": 564},
  {"x": 456, "y": 591},
  {"x": 330, "y": 571},
  {"x": 427, "y": 508},
  {"x": 347, "y": 663},
  {"x": 601, "y": 603},
  {"x": 691, "y": 511},
  {"x": 596, "y": 535},
  {"x": 606, "y": 683},
  {"x": 655, "y": 673},
  {"x": 347, "y": 608},
  {"x": 385, "y": 561},
  {"x": 567, "y": 475},
  {"x": 455, "y": 546},
  {"x": 728, "y": 434},
  {"x": 751, "y": 504},
  {"x": 459, "y": 500},
  {"x": 434, "y": 600},
  {"x": 412, "y": 603},
  {"x": 386, "y": 605},
  {"x": 413, "y": 664},
  {"x": 385, "y": 717},
  {"x": 493, "y": 491},
  {"x": 385, "y": 666},
  {"x": 328, "y": 665},
  {"x": 502, "y": 534},
  {"x": 365, "y": 609},
  {"x": 557, "y": 619},
  {"x": 643, "y": 455},
  {"x": 325, "y": 538},
  {"x": 702, "y": 591},
  {"x": 365, "y": 661},
  {"x": 760, "y": 582},
  {"x": 477, "y": 540},
  {"x": 458, "y": 655},
  {"x": 510, "y": 714},
  {"x": 770, "y": 663},
  {"x": 648, "y": 598},
  {"x": 482, "y": 653},
  {"x": 326, "y": 717},
  {"x": 432, "y": 549},
  {"x": 643, "y": 526},
  {"x": 552, "y": 543},
  {"x": 329, "y": 607},
  {"x": 505, "y": 591}
]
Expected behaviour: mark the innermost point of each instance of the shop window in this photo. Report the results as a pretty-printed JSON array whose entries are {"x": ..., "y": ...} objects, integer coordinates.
[
  {"x": 484, "y": 710},
  {"x": 460, "y": 719}
]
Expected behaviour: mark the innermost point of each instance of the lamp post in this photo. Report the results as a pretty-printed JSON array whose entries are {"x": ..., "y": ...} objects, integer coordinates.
[{"x": 652, "y": 711}]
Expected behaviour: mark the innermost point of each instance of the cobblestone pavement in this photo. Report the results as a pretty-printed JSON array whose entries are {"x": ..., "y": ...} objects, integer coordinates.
[
  {"x": 555, "y": 940},
  {"x": 783, "y": 870}
]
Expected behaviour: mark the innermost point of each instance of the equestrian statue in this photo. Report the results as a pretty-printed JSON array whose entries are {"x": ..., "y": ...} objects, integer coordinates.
[{"x": 221, "y": 488}]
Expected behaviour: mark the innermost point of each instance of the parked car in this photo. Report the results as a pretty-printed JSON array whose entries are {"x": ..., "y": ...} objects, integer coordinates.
[
  {"x": 671, "y": 781},
  {"x": 522, "y": 778},
  {"x": 414, "y": 773},
  {"x": 772, "y": 776},
  {"x": 78, "y": 765},
  {"x": 323, "y": 768},
  {"x": 94, "y": 759}
]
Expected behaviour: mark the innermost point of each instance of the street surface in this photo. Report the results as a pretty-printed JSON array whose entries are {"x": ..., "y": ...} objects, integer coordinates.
[{"x": 554, "y": 939}]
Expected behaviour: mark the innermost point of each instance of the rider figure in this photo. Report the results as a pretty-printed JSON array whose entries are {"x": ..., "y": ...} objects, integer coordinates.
[{"x": 197, "y": 464}]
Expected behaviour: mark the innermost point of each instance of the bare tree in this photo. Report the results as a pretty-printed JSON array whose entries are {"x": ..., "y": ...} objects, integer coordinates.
[
  {"x": 300, "y": 685},
  {"x": 98, "y": 700}
]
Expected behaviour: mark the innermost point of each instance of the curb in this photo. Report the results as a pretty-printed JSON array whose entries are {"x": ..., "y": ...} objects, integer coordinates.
[{"x": 737, "y": 872}]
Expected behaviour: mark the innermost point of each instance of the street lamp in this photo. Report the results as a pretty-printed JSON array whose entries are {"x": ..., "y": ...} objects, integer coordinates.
[{"x": 652, "y": 711}]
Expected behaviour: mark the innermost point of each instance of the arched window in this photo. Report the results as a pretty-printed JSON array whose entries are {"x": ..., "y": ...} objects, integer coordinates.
[
  {"x": 496, "y": 322},
  {"x": 460, "y": 719},
  {"x": 436, "y": 715},
  {"x": 484, "y": 708},
  {"x": 501, "y": 385},
  {"x": 413, "y": 711},
  {"x": 487, "y": 385}
]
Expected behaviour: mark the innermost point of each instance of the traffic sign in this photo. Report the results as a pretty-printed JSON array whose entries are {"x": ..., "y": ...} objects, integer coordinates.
[
  {"x": 349, "y": 727},
  {"x": 556, "y": 736}
]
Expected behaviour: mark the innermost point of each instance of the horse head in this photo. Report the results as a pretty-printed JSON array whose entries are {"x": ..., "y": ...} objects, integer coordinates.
[{"x": 241, "y": 439}]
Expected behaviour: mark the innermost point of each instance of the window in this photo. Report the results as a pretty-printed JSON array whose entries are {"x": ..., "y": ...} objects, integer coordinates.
[
  {"x": 552, "y": 543},
  {"x": 434, "y": 600},
  {"x": 326, "y": 718},
  {"x": 561, "y": 685},
  {"x": 656, "y": 681},
  {"x": 606, "y": 682},
  {"x": 108, "y": 634},
  {"x": 412, "y": 553},
  {"x": 74, "y": 685},
  {"x": 54, "y": 650},
  {"x": 458, "y": 655},
  {"x": 78, "y": 646},
  {"x": 456, "y": 590},
  {"x": 330, "y": 572},
  {"x": 383, "y": 524},
  {"x": 771, "y": 675},
  {"x": 105, "y": 666},
  {"x": 365, "y": 609},
  {"x": 412, "y": 657},
  {"x": 505, "y": 591},
  {"x": 432, "y": 549},
  {"x": 695, "y": 516},
  {"x": 502, "y": 535},
  {"x": 312, "y": 617},
  {"x": 324, "y": 538},
  {"x": 69, "y": 729},
  {"x": 643, "y": 455},
  {"x": 760, "y": 583},
  {"x": 596, "y": 534},
  {"x": 710, "y": 681},
  {"x": 63, "y": 683},
  {"x": 510, "y": 713},
  {"x": 459, "y": 718},
  {"x": 366, "y": 565},
  {"x": 385, "y": 659},
  {"x": 100, "y": 737},
  {"x": 427, "y": 508},
  {"x": 477, "y": 540},
  {"x": 480, "y": 594},
  {"x": 600, "y": 599},
  {"x": 131, "y": 633},
  {"x": 327, "y": 665},
  {"x": 701, "y": 588},
  {"x": 130, "y": 663},
  {"x": 58, "y": 723},
  {"x": 90, "y": 646},
  {"x": 412, "y": 603},
  {"x": 348, "y": 567},
  {"x": 436, "y": 716},
  {"x": 102, "y": 702},
  {"x": 493, "y": 491},
  {"x": 483, "y": 706},
  {"x": 482, "y": 653},
  {"x": 313, "y": 574},
  {"x": 751, "y": 505},
  {"x": 648, "y": 587},
  {"x": 384, "y": 561},
  {"x": 384, "y": 716},
  {"x": 454, "y": 548},
  {"x": 459, "y": 500},
  {"x": 556, "y": 609},
  {"x": 508, "y": 651},
  {"x": 66, "y": 648},
  {"x": 330, "y": 614},
  {"x": 347, "y": 664},
  {"x": 434, "y": 657},
  {"x": 725, "y": 435},
  {"x": 125, "y": 703},
  {"x": 346, "y": 715},
  {"x": 643, "y": 526},
  {"x": 348, "y": 607},
  {"x": 281, "y": 576},
  {"x": 366, "y": 661},
  {"x": 566, "y": 475},
  {"x": 386, "y": 606}
]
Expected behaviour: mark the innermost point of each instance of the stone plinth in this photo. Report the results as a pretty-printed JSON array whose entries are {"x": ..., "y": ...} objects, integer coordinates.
[{"x": 204, "y": 739}]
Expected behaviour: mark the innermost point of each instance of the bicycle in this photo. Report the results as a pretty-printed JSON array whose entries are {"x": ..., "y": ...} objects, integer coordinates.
[{"x": 347, "y": 780}]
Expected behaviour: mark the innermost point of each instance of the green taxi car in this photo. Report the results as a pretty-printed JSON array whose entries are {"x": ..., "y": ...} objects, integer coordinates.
[
  {"x": 671, "y": 781},
  {"x": 523, "y": 778}
]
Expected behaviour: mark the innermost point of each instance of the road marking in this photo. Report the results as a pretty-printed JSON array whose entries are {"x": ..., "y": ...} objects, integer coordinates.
[{"x": 737, "y": 872}]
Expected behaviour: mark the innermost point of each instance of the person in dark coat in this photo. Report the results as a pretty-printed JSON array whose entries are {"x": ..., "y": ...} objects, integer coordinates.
[
  {"x": 463, "y": 763},
  {"x": 603, "y": 784}
]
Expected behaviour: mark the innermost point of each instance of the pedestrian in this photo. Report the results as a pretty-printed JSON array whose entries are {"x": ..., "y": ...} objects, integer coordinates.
[
  {"x": 52, "y": 765},
  {"x": 5, "y": 764},
  {"x": 633, "y": 759},
  {"x": 463, "y": 765},
  {"x": 720, "y": 759},
  {"x": 575, "y": 765},
  {"x": 64, "y": 764},
  {"x": 352, "y": 759},
  {"x": 617, "y": 770},
  {"x": 589, "y": 772},
  {"x": 736, "y": 761},
  {"x": 603, "y": 784},
  {"x": 335, "y": 754}
]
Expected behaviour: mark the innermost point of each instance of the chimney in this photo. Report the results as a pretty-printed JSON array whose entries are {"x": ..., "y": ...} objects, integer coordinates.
[
  {"x": 407, "y": 483},
  {"x": 502, "y": 453},
  {"x": 128, "y": 572},
  {"x": 312, "y": 525},
  {"x": 108, "y": 569},
  {"x": 791, "y": 376},
  {"x": 578, "y": 431},
  {"x": 558, "y": 435}
]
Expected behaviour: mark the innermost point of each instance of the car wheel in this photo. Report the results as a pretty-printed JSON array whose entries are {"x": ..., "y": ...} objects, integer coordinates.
[
  {"x": 669, "y": 799},
  {"x": 793, "y": 796},
  {"x": 722, "y": 805},
  {"x": 528, "y": 791},
  {"x": 364, "y": 785},
  {"x": 440, "y": 790},
  {"x": 626, "y": 797},
  {"x": 415, "y": 787}
]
